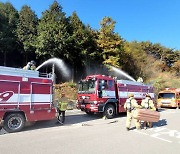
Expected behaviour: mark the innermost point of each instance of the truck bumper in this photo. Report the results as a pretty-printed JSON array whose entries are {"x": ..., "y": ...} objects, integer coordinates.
[
  {"x": 170, "y": 105},
  {"x": 89, "y": 107}
]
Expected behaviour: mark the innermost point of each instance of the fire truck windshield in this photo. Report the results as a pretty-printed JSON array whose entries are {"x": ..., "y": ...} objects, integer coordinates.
[
  {"x": 87, "y": 86},
  {"x": 166, "y": 95}
]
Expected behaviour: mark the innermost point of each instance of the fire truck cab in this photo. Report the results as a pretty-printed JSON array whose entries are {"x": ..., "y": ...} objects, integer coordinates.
[
  {"x": 25, "y": 96},
  {"x": 104, "y": 94}
]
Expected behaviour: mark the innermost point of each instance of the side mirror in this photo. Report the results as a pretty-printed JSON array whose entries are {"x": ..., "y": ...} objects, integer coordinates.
[
  {"x": 100, "y": 93},
  {"x": 103, "y": 87},
  {"x": 79, "y": 82}
]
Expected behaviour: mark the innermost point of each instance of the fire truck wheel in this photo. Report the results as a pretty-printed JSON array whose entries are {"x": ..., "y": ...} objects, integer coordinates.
[
  {"x": 14, "y": 122},
  {"x": 109, "y": 111}
]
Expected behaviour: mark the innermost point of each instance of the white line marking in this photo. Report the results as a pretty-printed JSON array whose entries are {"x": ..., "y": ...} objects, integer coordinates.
[
  {"x": 140, "y": 132},
  {"x": 159, "y": 129},
  {"x": 155, "y": 136}
]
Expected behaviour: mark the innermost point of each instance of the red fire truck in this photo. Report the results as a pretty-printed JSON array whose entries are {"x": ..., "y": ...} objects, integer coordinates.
[
  {"x": 104, "y": 94},
  {"x": 25, "y": 96}
]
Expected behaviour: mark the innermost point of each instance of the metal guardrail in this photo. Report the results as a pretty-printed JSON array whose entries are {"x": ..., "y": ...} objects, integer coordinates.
[{"x": 46, "y": 75}]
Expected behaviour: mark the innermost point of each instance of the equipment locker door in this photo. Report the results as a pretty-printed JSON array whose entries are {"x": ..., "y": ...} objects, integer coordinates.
[
  {"x": 9, "y": 94},
  {"x": 41, "y": 96},
  {"x": 123, "y": 95}
]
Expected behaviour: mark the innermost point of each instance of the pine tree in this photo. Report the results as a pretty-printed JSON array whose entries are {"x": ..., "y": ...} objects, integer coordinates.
[
  {"x": 27, "y": 30},
  {"x": 78, "y": 37},
  {"x": 8, "y": 22},
  {"x": 82, "y": 43},
  {"x": 52, "y": 33}
]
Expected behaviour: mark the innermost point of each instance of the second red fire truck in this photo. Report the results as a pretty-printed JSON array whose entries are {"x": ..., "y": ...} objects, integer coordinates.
[{"x": 105, "y": 94}]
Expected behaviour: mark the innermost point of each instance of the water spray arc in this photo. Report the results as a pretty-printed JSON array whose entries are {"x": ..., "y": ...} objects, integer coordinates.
[
  {"x": 59, "y": 64},
  {"x": 122, "y": 73}
]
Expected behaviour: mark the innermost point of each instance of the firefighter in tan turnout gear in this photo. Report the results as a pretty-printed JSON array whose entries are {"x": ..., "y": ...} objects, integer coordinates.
[
  {"x": 28, "y": 66},
  {"x": 147, "y": 103},
  {"x": 130, "y": 106}
]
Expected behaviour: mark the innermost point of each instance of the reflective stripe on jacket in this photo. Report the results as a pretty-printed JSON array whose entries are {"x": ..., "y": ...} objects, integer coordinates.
[{"x": 63, "y": 106}]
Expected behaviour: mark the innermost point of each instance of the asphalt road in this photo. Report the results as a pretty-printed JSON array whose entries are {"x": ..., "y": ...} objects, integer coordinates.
[{"x": 91, "y": 134}]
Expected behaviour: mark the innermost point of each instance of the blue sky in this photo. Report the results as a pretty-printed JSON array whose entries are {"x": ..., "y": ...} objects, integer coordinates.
[{"x": 157, "y": 21}]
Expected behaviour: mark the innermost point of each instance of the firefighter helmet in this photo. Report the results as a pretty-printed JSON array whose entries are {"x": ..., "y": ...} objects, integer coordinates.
[
  {"x": 148, "y": 95},
  {"x": 130, "y": 95},
  {"x": 33, "y": 62}
]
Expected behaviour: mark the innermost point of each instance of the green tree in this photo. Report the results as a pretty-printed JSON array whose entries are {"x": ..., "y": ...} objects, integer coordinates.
[
  {"x": 167, "y": 56},
  {"x": 176, "y": 67},
  {"x": 8, "y": 19},
  {"x": 78, "y": 37},
  {"x": 27, "y": 30},
  {"x": 52, "y": 33},
  {"x": 94, "y": 53},
  {"x": 82, "y": 43},
  {"x": 109, "y": 42}
]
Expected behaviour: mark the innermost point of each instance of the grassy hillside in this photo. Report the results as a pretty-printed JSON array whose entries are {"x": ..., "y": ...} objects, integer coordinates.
[{"x": 69, "y": 88}]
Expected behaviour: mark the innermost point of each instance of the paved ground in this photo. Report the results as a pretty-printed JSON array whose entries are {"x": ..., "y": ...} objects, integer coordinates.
[{"x": 92, "y": 134}]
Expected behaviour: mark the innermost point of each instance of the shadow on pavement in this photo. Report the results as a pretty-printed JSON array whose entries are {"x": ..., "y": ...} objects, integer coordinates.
[
  {"x": 161, "y": 123},
  {"x": 162, "y": 109},
  {"x": 71, "y": 118},
  {"x": 123, "y": 114}
]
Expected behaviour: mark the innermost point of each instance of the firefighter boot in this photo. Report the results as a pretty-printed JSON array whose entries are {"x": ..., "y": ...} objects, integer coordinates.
[{"x": 104, "y": 118}]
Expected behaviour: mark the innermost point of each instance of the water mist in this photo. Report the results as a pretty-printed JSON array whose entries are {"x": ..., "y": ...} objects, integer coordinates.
[
  {"x": 60, "y": 65},
  {"x": 122, "y": 73}
]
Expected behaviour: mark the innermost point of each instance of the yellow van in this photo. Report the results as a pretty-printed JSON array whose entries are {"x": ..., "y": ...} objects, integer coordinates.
[{"x": 170, "y": 97}]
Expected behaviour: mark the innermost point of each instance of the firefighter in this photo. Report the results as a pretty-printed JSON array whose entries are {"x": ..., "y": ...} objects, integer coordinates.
[
  {"x": 147, "y": 103},
  {"x": 33, "y": 65},
  {"x": 62, "y": 107},
  {"x": 130, "y": 106},
  {"x": 28, "y": 66}
]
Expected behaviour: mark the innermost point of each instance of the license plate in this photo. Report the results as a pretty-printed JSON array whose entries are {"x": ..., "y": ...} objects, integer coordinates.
[
  {"x": 83, "y": 106},
  {"x": 165, "y": 104}
]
